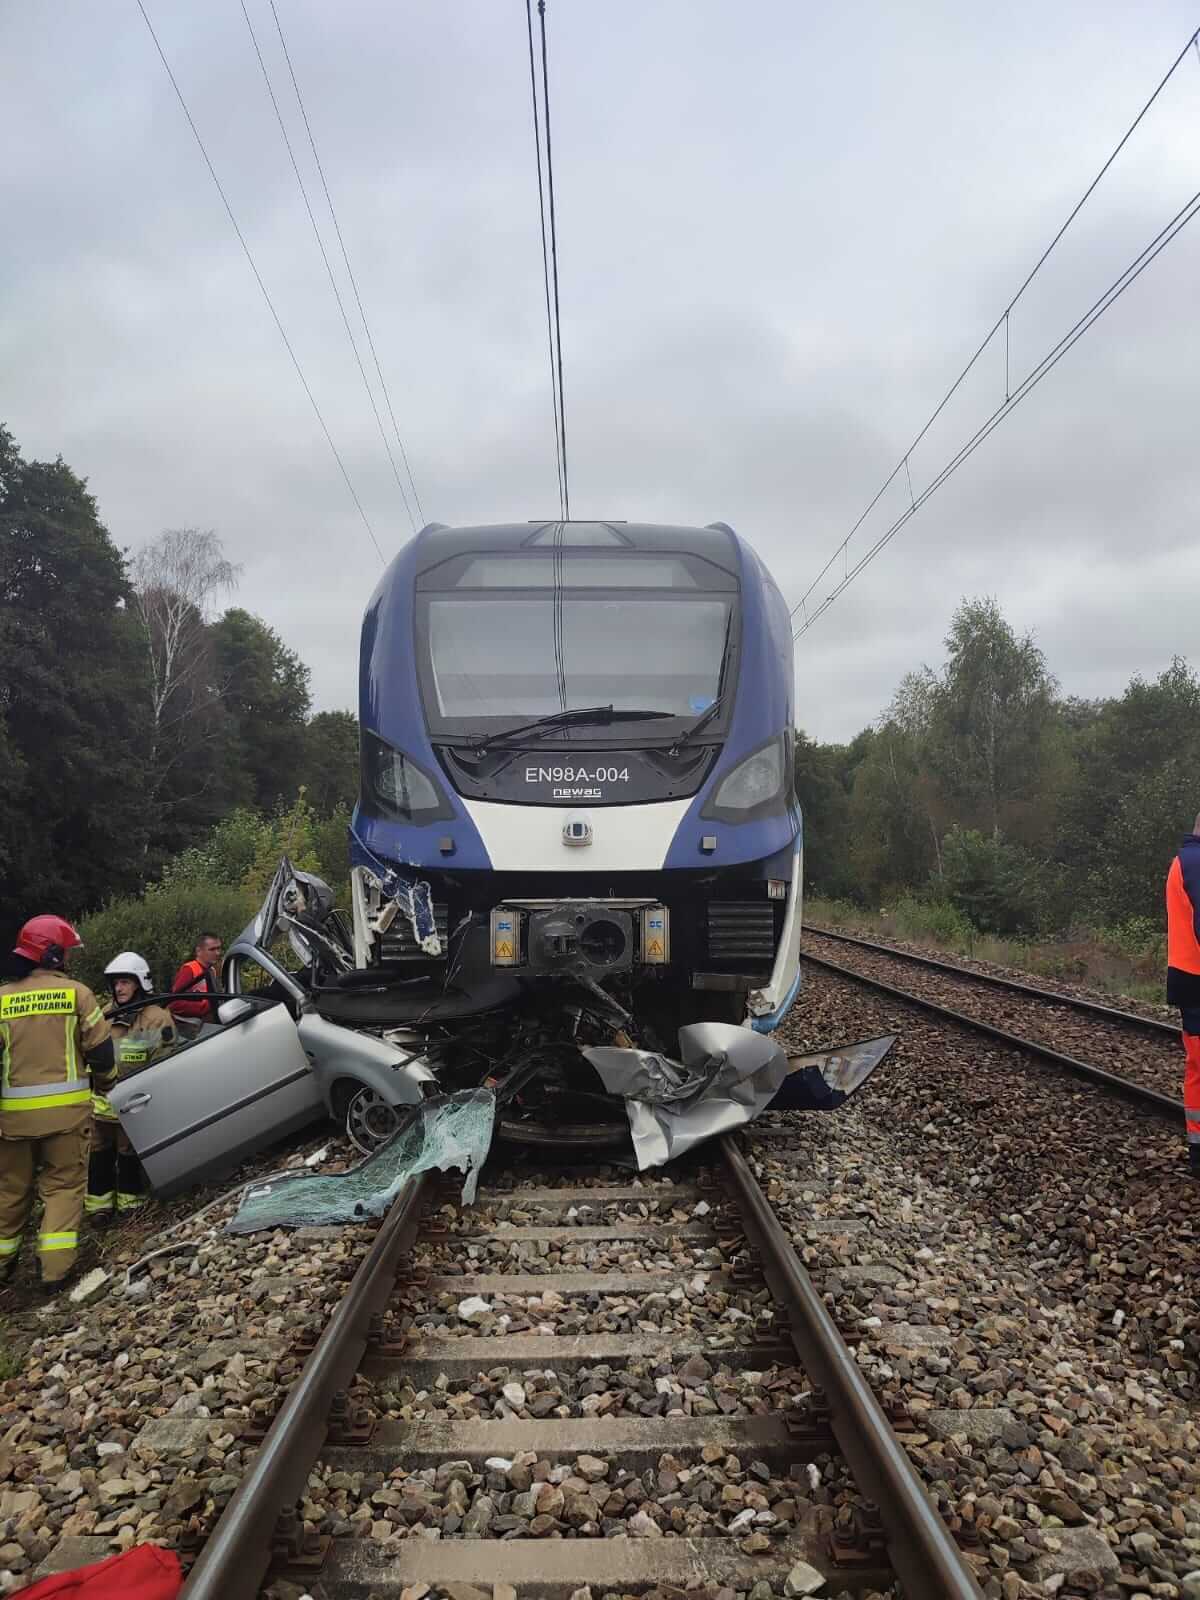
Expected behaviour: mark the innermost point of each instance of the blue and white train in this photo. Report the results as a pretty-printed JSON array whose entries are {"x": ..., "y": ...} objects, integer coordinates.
[{"x": 577, "y": 781}]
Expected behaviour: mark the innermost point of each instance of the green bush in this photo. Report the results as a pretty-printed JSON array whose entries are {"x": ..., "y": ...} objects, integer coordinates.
[
  {"x": 998, "y": 885},
  {"x": 162, "y": 926},
  {"x": 226, "y": 855},
  {"x": 933, "y": 920}
]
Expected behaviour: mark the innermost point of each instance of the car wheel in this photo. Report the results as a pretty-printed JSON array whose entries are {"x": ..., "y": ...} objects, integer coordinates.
[{"x": 370, "y": 1121}]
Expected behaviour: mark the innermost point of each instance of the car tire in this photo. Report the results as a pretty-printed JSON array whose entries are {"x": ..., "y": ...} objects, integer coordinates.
[{"x": 369, "y": 1120}]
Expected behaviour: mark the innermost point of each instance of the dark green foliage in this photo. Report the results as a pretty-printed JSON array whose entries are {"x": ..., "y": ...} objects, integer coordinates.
[
  {"x": 263, "y": 687},
  {"x": 998, "y": 885},
  {"x": 329, "y": 771},
  {"x": 162, "y": 926},
  {"x": 73, "y": 803},
  {"x": 982, "y": 788}
]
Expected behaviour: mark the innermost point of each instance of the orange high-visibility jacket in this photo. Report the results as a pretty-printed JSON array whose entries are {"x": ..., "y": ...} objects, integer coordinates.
[{"x": 1183, "y": 926}]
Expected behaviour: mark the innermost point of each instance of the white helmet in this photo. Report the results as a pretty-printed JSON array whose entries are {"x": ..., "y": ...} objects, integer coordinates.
[{"x": 130, "y": 965}]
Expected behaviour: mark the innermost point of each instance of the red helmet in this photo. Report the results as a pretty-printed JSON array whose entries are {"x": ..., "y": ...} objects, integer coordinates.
[{"x": 46, "y": 940}]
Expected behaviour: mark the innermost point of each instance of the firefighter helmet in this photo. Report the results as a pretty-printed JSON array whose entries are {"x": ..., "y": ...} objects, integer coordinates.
[
  {"x": 130, "y": 965},
  {"x": 46, "y": 940}
]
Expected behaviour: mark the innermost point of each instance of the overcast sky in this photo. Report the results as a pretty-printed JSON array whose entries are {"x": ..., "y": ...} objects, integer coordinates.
[{"x": 782, "y": 230}]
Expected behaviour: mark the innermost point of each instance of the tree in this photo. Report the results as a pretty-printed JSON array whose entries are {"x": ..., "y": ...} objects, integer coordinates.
[
  {"x": 330, "y": 766},
  {"x": 73, "y": 688},
  {"x": 263, "y": 687},
  {"x": 175, "y": 581},
  {"x": 991, "y": 714}
]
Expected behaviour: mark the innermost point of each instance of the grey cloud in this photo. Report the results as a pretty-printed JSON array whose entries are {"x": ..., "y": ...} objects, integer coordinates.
[{"x": 781, "y": 234}]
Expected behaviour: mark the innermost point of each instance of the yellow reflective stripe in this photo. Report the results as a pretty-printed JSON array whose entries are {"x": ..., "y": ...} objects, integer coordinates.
[
  {"x": 130, "y": 1202},
  {"x": 57, "y": 1241},
  {"x": 38, "y": 1003},
  {"x": 7, "y": 1036},
  {"x": 92, "y": 1018},
  {"x": 99, "y": 1202},
  {"x": 45, "y": 1102},
  {"x": 102, "y": 1108},
  {"x": 72, "y": 1064},
  {"x": 9, "y": 1247}
]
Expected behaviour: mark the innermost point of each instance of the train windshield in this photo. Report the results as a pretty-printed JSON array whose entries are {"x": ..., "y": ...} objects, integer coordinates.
[{"x": 634, "y": 637}]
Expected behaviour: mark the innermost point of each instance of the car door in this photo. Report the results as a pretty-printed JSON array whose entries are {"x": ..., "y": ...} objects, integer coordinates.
[{"x": 199, "y": 1111}]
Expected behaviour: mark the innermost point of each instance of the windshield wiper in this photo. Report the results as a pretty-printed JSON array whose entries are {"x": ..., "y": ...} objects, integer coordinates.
[
  {"x": 702, "y": 721},
  {"x": 596, "y": 716}
]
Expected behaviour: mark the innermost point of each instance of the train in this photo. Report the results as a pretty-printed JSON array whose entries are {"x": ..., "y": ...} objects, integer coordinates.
[{"x": 577, "y": 821}]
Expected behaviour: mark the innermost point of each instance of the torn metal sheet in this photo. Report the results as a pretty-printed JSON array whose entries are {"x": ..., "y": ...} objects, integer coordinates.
[
  {"x": 453, "y": 1130},
  {"x": 727, "y": 1076},
  {"x": 413, "y": 897},
  {"x": 826, "y": 1079}
]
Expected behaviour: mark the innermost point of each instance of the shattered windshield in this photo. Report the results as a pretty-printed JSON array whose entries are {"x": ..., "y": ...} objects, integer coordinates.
[{"x": 453, "y": 1130}]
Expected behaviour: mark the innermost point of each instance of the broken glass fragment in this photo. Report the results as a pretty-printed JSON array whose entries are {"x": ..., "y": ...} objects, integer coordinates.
[{"x": 453, "y": 1130}]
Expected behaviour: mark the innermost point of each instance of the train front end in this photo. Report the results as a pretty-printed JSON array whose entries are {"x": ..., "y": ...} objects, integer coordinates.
[{"x": 577, "y": 797}]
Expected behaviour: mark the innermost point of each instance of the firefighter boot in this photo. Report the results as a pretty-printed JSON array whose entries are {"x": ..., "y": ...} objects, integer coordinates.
[
  {"x": 131, "y": 1183},
  {"x": 101, "y": 1194}
]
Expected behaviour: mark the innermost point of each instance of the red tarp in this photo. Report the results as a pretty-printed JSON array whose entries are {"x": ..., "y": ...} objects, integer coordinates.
[{"x": 143, "y": 1573}]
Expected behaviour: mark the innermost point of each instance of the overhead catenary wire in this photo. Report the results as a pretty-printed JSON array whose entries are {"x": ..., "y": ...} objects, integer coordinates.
[
  {"x": 562, "y": 403},
  {"x": 337, "y": 295},
  {"x": 349, "y": 269},
  {"x": 212, "y": 171},
  {"x": 541, "y": 187},
  {"x": 1045, "y": 366},
  {"x": 1002, "y": 321}
]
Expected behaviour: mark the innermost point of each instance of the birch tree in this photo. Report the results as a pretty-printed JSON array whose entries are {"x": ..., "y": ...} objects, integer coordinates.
[{"x": 177, "y": 581}]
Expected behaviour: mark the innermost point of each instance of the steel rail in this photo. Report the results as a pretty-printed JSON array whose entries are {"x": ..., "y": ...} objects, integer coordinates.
[
  {"x": 1151, "y": 1099},
  {"x": 920, "y": 1546},
  {"x": 237, "y": 1554},
  {"x": 1093, "y": 1008}
]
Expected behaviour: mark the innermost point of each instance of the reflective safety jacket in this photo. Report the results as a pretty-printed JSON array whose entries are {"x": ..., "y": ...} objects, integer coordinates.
[
  {"x": 48, "y": 1024},
  {"x": 193, "y": 978},
  {"x": 1183, "y": 926},
  {"x": 138, "y": 1037}
]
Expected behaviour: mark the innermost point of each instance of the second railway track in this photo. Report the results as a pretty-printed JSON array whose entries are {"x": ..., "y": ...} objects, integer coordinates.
[
  {"x": 1136, "y": 1056},
  {"x": 597, "y": 1309}
]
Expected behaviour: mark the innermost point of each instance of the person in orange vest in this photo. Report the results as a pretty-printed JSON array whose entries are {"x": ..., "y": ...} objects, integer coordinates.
[
  {"x": 1183, "y": 976},
  {"x": 53, "y": 1039},
  {"x": 197, "y": 977}
]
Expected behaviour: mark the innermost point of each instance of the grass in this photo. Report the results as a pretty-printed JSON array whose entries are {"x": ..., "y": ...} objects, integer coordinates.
[{"x": 1100, "y": 959}]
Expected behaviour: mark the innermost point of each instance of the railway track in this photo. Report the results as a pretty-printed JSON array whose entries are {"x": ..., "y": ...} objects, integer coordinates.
[
  {"x": 797, "y": 1479},
  {"x": 1142, "y": 1053}
]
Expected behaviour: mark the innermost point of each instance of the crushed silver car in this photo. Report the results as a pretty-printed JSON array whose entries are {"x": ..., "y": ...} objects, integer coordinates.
[{"x": 304, "y": 1033}]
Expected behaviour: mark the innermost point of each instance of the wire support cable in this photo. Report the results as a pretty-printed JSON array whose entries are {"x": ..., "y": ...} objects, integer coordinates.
[
  {"x": 537, "y": 147},
  {"x": 1044, "y": 367},
  {"x": 328, "y": 265},
  {"x": 349, "y": 269},
  {"x": 1002, "y": 321},
  {"x": 562, "y": 403},
  {"x": 212, "y": 171}
]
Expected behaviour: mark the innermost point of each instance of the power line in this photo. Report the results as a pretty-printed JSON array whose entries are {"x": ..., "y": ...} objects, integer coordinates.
[
  {"x": 325, "y": 258},
  {"x": 1001, "y": 321},
  {"x": 349, "y": 269},
  {"x": 1045, "y": 366},
  {"x": 258, "y": 279},
  {"x": 562, "y": 403},
  {"x": 537, "y": 146}
]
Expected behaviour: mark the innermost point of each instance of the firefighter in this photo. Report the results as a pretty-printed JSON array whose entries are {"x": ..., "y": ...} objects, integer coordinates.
[
  {"x": 52, "y": 1033},
  {"x": 1183, "y": 976},
  {"x": 115, "y": 1180}
]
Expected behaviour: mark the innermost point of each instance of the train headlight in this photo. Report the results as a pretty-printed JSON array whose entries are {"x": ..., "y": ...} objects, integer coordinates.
[
  {"x": 759, "y": 786},
  {"x": 395, "y": 786}
]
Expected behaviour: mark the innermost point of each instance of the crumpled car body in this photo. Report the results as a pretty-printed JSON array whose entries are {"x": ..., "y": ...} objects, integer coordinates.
[{"x": 305, "y": 1034}]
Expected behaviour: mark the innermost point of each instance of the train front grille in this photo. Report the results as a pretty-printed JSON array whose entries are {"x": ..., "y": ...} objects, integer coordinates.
[{"x": 741, "y": 932}]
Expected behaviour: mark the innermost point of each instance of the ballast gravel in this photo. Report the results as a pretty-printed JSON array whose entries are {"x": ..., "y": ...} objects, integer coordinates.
[
  {"x": 122, "y": 1423},
  {"x": 1018, "y": 1255}
]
